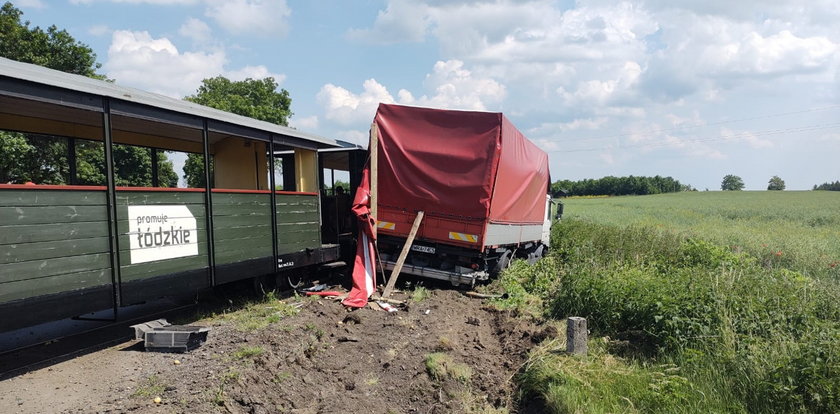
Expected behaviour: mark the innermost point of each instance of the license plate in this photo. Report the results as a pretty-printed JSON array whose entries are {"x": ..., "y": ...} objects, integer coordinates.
[{"x": 423, "y": 249}]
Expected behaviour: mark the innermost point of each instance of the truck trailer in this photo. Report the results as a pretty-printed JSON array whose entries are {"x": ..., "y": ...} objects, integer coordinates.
[{"x": 482, "y": 185}]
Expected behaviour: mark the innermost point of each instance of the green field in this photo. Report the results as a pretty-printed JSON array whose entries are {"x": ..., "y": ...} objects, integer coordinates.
[
  {"x": 697, "y": 302},
  {"x": 797, "y": 229}
]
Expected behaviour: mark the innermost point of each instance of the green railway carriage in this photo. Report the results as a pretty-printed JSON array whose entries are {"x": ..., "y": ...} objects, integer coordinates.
[{"x": 83, "y": 233}]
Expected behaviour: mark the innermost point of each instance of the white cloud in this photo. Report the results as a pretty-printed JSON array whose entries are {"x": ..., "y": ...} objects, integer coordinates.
[
  {"x": 137, "y": 59},
  {"x": 196, "y": 30},
  {"x": 455, "y": 87},
  {"x": 346, "y": 108},
  {"x": 401, "y": 21},
  {"x": 255, "y": 17},
  {"x": 452, "y": 86}
]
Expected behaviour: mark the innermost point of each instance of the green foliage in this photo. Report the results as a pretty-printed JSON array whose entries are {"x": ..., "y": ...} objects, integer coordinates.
[
  {"x": 835, "y": 186},
  {"x": 603, "y": 383},
  {"x": 248, "y": 352},
  {"x": 441, "y": 366},
  {"x": 732, "y": 183},
  {"x": 619, "y": 186},
  {"x": 776, "y": 184},
  {"x": 789, "y": 229},
  {"x": 153, "y": 386},
  {"x": 52, "y": 48},
  {"x": 747, "y": 334},
  {"x": 38, "y": 159},
  {"x": 194, "y": 170},
  {"x": 254, "y": 98},
  {"x": 419, "y": 294}
]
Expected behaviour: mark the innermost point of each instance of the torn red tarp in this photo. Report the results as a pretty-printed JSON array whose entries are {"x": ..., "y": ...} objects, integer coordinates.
[{"x": 364, "y": 270}]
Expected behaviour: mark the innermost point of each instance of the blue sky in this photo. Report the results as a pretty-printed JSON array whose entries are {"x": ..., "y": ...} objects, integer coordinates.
[{"x": 695, "y": 90}]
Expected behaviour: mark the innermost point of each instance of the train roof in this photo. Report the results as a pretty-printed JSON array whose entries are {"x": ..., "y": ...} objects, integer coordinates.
[{"x": 28, "y": 81}]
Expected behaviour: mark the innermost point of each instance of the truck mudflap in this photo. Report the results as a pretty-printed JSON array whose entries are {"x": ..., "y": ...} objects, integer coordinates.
[{"x": 457, "y": 276}]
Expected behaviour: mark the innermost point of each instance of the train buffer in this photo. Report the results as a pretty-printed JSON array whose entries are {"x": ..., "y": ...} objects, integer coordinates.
[{"x": 161, "y": 336}]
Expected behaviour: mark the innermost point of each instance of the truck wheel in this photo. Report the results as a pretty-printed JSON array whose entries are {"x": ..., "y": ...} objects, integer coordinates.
[{"x": 503, "y": 263}]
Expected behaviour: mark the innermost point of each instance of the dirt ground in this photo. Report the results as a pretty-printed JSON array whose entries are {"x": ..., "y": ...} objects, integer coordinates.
[{"x": 447, "y": 353}]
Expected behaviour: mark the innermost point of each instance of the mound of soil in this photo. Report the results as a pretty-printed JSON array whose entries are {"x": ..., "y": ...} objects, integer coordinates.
[{"x": 447, "y": 353}]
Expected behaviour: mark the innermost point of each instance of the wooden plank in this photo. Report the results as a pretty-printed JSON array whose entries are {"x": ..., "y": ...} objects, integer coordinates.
[
  {"x": 297, "y": 246},
  {"x": 22, "y": 252},
  {"x": 134, "y": 272},
  {"x": 17, "y": 198},
  {"x": 401, "y": 260},
  {"x": 159, "y": 197},
  {"x": 51, "y": 214},
  {"x": 22, "y": 289},
  {"x": 223, "y": 222},
  {"x": 125, "y": 254},
  {"x": 34, "y": 233},
  {"x": 298, "y": 218},
  {"x": 374, "y": 171},
  {"x": 11, "y": 272},
  {"x": 228, "y": 233},
  {"x": 297, "y": 235},
  {"x": 197, "y": 211},
  {"x": 236, "y": 198},
  {"x": 263, "y": 209},
  {"x": 125, "y": 226},
  {"x": 233, "y": 256}
]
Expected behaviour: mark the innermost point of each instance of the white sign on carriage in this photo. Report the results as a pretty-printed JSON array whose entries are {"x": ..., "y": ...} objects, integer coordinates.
[{"x": 161, "y": 232}]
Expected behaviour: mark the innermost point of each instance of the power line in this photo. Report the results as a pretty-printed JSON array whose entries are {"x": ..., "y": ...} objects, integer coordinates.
[{"x": 742, "y": 135}]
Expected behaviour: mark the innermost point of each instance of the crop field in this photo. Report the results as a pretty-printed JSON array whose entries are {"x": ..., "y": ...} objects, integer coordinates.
[
  {"x": 797, "y": 229},
  {"x": 696, "y": 302}
]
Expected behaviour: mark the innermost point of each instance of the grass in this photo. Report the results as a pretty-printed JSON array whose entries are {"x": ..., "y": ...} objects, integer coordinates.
[
  {"x": 153, "y": 386},
  {"x": 419, "y": 294},
  {"x": 254, "y": 315},
  {"x": 684, "y": 322},
  {"x": 248, "y": 352},
  {"x": 801, "y": 225},
  {"x": 440, "y": 366}
]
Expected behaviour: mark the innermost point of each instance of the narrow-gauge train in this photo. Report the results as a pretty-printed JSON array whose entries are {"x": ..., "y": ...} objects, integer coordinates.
[{"x": 81, "y": 242}]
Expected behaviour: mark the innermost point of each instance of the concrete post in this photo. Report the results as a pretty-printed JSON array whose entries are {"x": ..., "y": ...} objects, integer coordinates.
[{"x": 576, "y": 335}]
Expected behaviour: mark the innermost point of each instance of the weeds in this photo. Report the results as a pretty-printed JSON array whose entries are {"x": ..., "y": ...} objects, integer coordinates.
[
  {"x": 256, "y": 315},
  {"x": 715, "y": 328},
  {"x": 419, "y": 294},
  {"x": 248, "y": 352},
  {"x": 440, "y": 367},
  {"x": 153, "y": 386}
]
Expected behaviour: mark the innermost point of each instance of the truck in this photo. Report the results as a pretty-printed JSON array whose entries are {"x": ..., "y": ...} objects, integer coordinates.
[{"x": 482, "y": 185}]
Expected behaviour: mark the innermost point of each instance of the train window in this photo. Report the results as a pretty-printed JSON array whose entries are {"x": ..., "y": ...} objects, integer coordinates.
[{"x": 156, "y": 154}]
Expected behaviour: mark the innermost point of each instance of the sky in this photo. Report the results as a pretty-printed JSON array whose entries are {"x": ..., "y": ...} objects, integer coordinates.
[{"x": 694, "y": 90}]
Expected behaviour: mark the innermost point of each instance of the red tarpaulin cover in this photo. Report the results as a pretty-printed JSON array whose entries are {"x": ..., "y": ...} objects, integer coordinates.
[
  {"x": 364, "y": 270},
  {"x": 450, "y": 163}
]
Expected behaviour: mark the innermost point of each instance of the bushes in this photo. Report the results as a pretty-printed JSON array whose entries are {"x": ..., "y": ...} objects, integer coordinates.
[{"x": 764, "y": 337}]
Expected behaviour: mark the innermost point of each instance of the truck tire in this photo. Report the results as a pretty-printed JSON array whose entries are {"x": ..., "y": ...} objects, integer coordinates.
[
  {"x": 536, "y": 255},
  {"x": 503, "y": 263}
]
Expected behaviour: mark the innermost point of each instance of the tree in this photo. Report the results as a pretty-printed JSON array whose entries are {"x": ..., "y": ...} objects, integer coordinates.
[
  {"x": 52, "y": 48},
  {"x": 776, "y": 184},
  {"x": 254, "y": 98},
  {"x": 732, "y": 183},
  {"x": 44, "y": 159}
]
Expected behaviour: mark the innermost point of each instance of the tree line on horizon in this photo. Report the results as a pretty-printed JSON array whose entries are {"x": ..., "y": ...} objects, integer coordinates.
[
  {"x": 616, "y": 186},
  {"x": 835, "y": 186}
]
